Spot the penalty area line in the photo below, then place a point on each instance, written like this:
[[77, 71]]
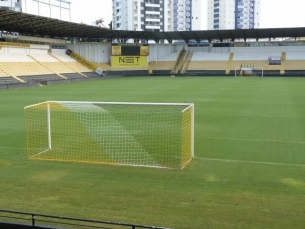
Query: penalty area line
[[252, 162], [12, 148], [255, 140], [9, 132], [37, 154]]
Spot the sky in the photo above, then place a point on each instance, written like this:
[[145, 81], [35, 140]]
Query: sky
[[274, 13]]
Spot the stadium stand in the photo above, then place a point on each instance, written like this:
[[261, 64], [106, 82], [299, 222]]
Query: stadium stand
[[34, 63], [186, 62], [48, 66], [41, 78], [295, 65], [229, 64], [205, 56], [221, 61], [7, 80], [208, 65], [76, 73], [208, 58], [77, 67], [39, 64], [179, 62], [161, 68]]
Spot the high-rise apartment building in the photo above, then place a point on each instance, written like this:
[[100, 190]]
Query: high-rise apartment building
[[11, 5], [156, 15], [196, 15], [233, 14]]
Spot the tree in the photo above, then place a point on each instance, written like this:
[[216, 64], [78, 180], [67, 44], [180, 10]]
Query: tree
[[99, 22], [110, 25]]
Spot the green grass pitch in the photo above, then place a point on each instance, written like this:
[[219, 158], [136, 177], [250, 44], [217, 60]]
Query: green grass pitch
[[248, 171]]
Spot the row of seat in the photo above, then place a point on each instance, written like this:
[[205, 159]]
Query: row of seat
[[38, 66], [240, 53], [222, 65], [23, 64], [34, 68]]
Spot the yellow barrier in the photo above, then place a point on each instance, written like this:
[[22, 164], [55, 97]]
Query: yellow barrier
[[18, 45], [83, 61]]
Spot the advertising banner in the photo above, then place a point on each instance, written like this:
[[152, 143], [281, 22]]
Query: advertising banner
[[116, 50], [129, 61]]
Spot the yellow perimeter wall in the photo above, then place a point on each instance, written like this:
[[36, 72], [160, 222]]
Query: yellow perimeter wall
[[129, 61], [18, 45]]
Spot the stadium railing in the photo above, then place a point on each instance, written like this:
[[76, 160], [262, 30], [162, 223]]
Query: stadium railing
[[33, 219]]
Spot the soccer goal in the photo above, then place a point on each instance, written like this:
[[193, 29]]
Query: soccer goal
[[138, 134], [249, 71]]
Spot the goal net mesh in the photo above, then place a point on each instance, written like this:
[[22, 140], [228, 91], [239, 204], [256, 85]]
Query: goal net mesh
[[123, 134]]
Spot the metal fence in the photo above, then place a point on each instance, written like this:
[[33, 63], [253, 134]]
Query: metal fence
[[35, 220]]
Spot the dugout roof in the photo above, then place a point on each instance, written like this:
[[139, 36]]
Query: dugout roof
[[33, 25]]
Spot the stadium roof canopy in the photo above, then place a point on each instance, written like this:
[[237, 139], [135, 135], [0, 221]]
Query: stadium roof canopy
[[33, 25]]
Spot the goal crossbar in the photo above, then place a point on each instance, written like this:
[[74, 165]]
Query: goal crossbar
[[115, 103]]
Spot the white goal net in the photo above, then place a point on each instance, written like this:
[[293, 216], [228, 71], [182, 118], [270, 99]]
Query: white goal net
[[138, 134]]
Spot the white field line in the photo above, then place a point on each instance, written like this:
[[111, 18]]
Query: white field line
[[40, 153], [253, 162], [255, 140], [210, 159], [11, 148], [34, 105], [243, 115], [9, 132]]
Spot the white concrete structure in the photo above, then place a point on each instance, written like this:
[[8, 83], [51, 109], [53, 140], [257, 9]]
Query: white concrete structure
[[95, 52], [156, 15], [170, 52], [233, 14], [11, 5], [61, 54]]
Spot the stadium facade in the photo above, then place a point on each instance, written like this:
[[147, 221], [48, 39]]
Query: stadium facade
[[15, 5], [233, 14], [156, 15]]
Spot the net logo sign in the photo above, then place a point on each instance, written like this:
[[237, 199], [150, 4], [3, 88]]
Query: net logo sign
[[129, 61]]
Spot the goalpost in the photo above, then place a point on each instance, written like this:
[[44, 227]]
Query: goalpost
[[138, 134], [249, 71]]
